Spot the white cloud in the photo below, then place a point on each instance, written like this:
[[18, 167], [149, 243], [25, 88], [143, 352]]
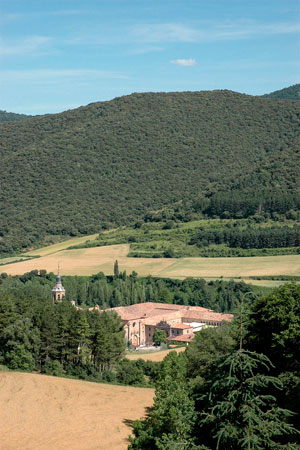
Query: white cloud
[[210, 31], [29, 45], [56, 76], [184, 62], [165, 32], [152, 36], [8, 17], [144, 50]]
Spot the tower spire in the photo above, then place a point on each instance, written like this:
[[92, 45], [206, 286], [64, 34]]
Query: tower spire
[[58, 291]]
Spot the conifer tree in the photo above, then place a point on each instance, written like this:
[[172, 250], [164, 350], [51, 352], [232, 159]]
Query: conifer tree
[[238, 411], [116, 269]]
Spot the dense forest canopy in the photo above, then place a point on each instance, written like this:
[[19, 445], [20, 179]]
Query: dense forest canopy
[[109, 163], [289, 93], [123, 290], [9, 116]]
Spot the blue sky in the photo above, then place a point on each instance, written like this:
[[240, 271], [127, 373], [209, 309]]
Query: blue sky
[[61, 54]]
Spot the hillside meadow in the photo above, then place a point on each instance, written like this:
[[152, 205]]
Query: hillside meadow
[[38, 412], [89, 261]]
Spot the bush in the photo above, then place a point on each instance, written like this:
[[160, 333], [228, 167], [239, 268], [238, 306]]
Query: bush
[[169, 253], [53, 367], [109, 376], [129, 373]]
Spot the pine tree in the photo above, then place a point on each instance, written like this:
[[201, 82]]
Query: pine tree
[[116, 269], [238, 411]]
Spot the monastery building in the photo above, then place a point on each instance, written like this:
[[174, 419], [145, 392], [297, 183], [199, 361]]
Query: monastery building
[[180, 322]]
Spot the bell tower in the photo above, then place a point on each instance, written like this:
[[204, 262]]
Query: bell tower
[[58, 291]]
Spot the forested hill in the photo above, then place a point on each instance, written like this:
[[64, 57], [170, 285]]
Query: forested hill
[[289, 93], [108, 163], [9, 116]]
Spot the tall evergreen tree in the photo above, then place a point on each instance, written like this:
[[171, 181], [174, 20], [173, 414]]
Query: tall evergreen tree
[[237, 412]]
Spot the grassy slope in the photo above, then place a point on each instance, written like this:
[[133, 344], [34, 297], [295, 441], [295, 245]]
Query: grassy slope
[[39, 412], [111, 161], [61, 245], [154, 240]]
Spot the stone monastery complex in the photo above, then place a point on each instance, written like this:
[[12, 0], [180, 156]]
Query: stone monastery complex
[[180, 322]]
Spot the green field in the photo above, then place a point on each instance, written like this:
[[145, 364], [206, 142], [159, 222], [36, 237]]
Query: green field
[[61, 245], [12, 259], [171, 239]]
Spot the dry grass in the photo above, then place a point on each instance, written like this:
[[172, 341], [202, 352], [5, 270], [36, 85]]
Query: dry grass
[[234, 267], [89, 261], [153, 355], [46, 413]]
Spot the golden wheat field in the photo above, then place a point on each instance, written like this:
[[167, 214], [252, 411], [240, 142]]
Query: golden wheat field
[[152, 355], [39, 412], [88, 261]]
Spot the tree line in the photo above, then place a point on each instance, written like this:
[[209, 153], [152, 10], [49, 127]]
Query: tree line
[[250, 237], [121, 289], [37, 335]]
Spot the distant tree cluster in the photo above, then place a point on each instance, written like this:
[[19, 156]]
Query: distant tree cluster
[[9, 116], [239, 204], [250, 237], [289, 93], [124, 290], [36, 334]]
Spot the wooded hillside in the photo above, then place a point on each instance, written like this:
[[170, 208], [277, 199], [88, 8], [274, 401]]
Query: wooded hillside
[[108, 163], [9, 116], [289, 93]]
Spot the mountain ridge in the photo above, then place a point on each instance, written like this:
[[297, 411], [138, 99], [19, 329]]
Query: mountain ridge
[[107, 163], [289, 93]]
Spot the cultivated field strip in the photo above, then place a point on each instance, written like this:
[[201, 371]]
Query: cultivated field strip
[[89, 261]]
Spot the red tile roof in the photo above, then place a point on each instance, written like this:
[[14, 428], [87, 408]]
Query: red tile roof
[[206, 316], [182, 338], [180, 326], [152, 313]]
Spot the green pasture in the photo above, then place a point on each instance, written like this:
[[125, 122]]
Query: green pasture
[[43, 251], [170, 239]]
